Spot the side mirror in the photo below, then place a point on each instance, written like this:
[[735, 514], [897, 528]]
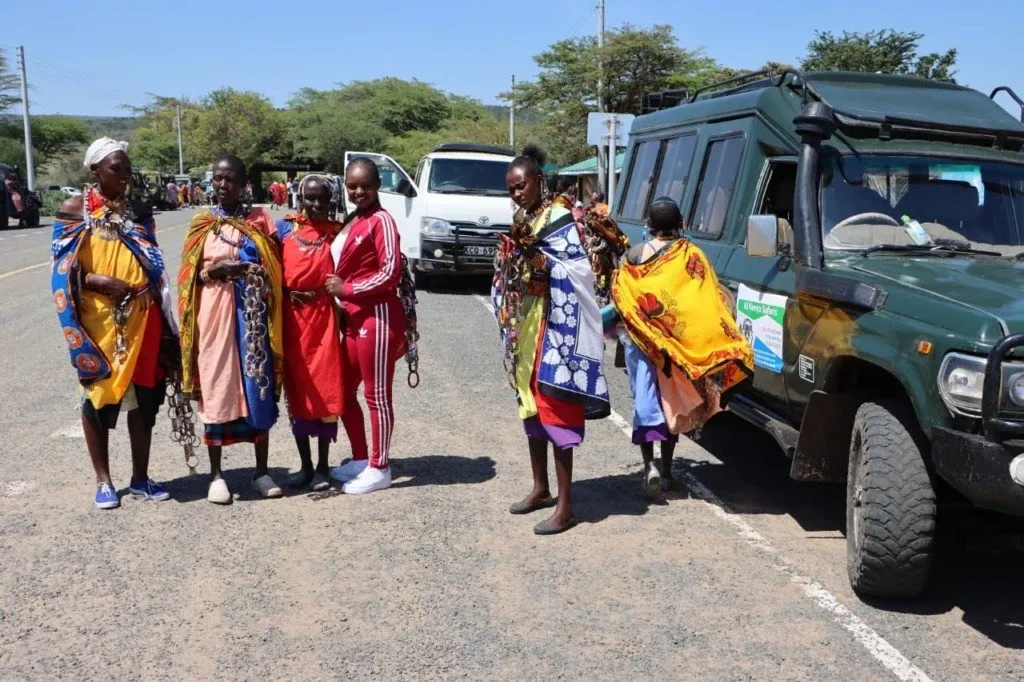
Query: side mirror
[[762, 236], [405, 187]]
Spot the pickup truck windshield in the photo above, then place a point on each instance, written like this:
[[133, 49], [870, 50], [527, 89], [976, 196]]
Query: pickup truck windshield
[[871, 201], [468, 176]]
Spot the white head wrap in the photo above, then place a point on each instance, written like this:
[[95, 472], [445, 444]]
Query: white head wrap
[[101, 149]]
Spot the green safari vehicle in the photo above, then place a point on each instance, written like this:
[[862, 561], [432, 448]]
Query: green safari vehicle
[[871, 229]]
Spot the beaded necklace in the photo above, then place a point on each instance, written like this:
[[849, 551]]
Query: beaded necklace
[[108, 218], [239, 212]]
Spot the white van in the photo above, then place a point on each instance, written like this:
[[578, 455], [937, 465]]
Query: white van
[[450, 215]]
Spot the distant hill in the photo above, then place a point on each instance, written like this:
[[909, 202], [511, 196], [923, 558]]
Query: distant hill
[[118, 127], [522, 115]]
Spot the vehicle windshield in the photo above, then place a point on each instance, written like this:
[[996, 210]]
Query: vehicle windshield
[[875, 201], [468, 176]]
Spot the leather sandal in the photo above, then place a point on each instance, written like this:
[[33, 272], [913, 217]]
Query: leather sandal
[[530, 507], [548, 528]]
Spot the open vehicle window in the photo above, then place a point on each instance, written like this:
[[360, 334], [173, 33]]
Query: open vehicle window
[[641, 177], [675, 167], [390, 174], [867, 202], [468, 176], [717, 180]]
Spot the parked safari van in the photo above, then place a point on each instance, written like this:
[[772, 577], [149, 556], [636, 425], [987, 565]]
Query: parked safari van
[[449, 216], [871, 229]]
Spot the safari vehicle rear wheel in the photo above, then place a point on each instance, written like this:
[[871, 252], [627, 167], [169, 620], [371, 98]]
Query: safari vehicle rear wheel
[[890, 505]]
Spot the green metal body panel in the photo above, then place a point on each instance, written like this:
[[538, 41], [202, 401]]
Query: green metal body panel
[[963, 304]]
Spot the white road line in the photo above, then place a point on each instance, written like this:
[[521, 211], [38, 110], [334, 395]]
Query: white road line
[[876, 645], [73, 430], [16, 488], [19, 236]]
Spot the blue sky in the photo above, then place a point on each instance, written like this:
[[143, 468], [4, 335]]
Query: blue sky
[[91, 58]]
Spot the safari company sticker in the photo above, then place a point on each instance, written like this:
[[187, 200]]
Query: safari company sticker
[[760, 317]]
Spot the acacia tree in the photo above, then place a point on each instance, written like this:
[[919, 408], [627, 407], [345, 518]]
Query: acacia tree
[[633, 62], [884, 51], [9, 85]]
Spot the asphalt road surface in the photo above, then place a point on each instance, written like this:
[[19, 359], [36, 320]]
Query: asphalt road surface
[[740, 575]]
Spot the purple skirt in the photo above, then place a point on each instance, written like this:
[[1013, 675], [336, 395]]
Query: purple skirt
[[309, 428], [653, 434], [560, 436]]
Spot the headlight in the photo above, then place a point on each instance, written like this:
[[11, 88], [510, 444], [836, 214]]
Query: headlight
[[1015, 389], [435, 227], [961, 380]]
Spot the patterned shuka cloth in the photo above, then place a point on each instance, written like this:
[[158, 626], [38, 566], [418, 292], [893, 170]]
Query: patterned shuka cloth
[[559, 377], [70, 235], [256, 245], [674, 311]]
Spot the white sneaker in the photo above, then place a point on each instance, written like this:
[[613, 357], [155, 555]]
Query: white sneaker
[[266, 487], [218, 492], [349, 470], [370, 480]]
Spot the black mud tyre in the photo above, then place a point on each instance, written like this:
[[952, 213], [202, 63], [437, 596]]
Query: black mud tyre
[[31, 216], [424, 281], [890, 504]]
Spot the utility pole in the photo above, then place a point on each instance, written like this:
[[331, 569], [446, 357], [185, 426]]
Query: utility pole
[[600, 96], [613, 150], [30, 170], [512, 116], [600, 63], [181, 156]]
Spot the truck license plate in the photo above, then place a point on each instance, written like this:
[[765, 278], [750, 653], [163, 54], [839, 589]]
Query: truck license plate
[[479, 250]]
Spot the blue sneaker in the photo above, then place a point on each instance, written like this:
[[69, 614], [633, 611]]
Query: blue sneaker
[[106, 497], [149, 490]]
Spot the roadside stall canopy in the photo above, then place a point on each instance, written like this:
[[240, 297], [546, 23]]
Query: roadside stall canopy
[[589, 167]]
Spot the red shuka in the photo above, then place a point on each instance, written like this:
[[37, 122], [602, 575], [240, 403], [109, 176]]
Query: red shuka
[[312, 346]]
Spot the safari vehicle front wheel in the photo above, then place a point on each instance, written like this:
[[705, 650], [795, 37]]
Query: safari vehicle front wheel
[[890, 505]]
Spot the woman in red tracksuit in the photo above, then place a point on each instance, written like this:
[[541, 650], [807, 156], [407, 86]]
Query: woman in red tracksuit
[[368, 268]]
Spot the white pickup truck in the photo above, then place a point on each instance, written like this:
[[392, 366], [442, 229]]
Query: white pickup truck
[[449, 216]]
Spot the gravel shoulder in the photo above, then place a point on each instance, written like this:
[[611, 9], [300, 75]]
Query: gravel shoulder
[[433, 578]]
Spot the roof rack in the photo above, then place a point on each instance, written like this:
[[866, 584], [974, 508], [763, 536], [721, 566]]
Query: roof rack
[[475, 148], [1013, 95], [665, 99], [751, 79]]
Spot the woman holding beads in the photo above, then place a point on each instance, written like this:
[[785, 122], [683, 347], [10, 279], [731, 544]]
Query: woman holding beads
[[551, 327], [229, 304], [113, 303], [312, 345]]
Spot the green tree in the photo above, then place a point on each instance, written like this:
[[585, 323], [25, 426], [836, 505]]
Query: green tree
[[12, 151], [56, 136], [633, 62], [402, 118], [155, 143], [884, 51], [9, 85], [232, 122]]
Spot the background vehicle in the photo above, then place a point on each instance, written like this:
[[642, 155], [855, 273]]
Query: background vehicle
[[450, 215], [140, 195], [70, 191], [871, 229], [28, 216]]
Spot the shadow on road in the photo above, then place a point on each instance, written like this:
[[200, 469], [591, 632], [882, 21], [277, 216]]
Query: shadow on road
[[979, 566], [441, 470], [459, 285], [596, 499], [192, 488], [754, 478]]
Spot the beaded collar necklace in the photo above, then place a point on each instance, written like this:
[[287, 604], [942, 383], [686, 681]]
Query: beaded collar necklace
[[108, 218]]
